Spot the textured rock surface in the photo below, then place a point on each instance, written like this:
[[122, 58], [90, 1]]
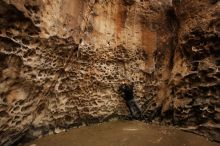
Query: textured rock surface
[[62, 63], [195, 83]]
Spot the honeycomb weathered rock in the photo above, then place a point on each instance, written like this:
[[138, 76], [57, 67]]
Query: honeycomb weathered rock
[[62, 62]]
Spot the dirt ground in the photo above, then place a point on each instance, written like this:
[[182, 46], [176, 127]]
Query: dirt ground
[[123, 133]]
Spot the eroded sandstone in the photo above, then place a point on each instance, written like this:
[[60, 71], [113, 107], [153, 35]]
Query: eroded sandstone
[[62, 63]]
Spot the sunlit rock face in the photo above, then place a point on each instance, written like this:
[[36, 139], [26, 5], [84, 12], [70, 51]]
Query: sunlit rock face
[[62, 62]]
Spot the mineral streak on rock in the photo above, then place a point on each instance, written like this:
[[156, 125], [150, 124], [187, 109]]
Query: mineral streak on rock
[[62, 62]]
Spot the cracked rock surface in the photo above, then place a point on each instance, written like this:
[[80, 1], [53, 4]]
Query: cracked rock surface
[[62, 62]]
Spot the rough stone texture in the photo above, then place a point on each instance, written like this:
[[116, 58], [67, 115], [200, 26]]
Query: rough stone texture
[[195, 83], [62, 63]]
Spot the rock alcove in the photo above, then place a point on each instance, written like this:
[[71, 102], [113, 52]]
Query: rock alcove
[[62, 63]]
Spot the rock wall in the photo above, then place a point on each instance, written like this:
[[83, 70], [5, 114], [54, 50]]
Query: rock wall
[[62, 63], [195, 75]]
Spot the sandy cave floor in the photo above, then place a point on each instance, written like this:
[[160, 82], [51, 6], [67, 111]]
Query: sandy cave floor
[[123, 133]]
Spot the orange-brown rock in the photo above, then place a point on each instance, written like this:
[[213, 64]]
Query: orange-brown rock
[[62, 62]]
